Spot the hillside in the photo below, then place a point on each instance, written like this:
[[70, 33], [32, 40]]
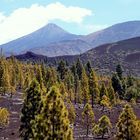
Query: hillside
[[52, 40], [126, 52], [104, 57]]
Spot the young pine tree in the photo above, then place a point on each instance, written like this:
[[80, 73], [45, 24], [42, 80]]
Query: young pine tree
[[31, 107], [52, 123], [103, 91], [103, 127], [85, 87], [111, 94], [4, 117], [88, 117], [72, 113], [105, 102], [126, 126], [94, 88]]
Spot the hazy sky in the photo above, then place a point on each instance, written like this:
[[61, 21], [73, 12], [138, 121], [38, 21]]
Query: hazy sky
[[20, 17]]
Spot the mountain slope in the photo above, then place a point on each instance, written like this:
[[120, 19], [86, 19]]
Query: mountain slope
[[67, 47], [114, 33]]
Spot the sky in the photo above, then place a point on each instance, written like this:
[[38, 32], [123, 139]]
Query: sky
[[21, 17]]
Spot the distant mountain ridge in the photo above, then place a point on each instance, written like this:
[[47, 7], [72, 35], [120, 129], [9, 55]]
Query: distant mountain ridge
[[117, 32], [51, 40]]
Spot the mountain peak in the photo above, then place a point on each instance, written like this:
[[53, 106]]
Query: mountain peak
[[52, 25]]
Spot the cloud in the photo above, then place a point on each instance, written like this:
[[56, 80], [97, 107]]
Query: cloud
[[26, 20]]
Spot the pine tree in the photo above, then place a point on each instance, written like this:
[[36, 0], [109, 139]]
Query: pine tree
[[88, 68], [85, 87], [69, 80], [124, 86], [1, 75], [117, 85], [78, 90], [105, 102], [13, 80], [72, 114], [73, 69], [31, 107], [43, 71], [71, 95], [126, 125], [50, 78], [94, 88], [53, 123], [39, 77], [4, 117], [16, 71], [63, 90], [21, 78], [119, 71], [77, 83], [79, 68], [88, 117], [27, 81], [103, 127], [103, 91], [62, 69], [111, 94], [5, 81]]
